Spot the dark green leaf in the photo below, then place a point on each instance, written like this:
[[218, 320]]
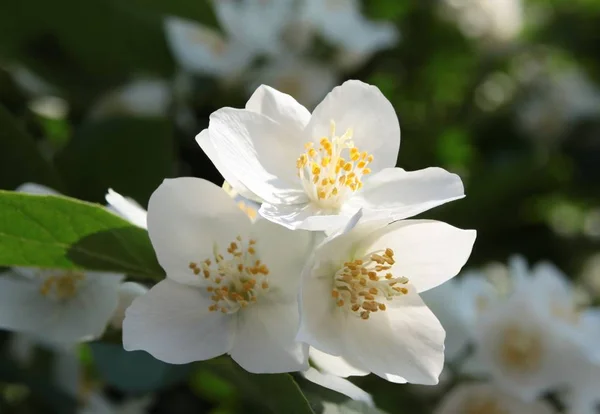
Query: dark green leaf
[[278, 392], [134, 372], [131, 155], [61, 232], [20, 160]]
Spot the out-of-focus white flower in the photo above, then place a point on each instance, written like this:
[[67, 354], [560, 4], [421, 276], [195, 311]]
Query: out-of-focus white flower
[[56, 305], [496, 21], [483, 398], [360, 296], [199, 49], [127, 208], [350, 407], [458, 303], [560, 100], [144, 97], [583, 395], [231, 284], [128, 291], [308, 82], [342, 23], [31, 82], [97, 403], [313, 179]]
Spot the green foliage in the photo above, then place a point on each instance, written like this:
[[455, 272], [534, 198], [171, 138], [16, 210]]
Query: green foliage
[[64, 233]]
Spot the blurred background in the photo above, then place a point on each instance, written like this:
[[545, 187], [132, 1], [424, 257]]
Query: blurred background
[[110, 94]]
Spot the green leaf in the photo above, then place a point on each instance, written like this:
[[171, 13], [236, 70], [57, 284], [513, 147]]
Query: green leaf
[[131, 155], [279, 393], [134, 372], [65, 233], [20, 160]]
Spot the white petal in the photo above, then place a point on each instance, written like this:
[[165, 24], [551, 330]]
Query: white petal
[[400, 194], [209, 149], [338, 384], [128, 291], [266, 339], [172, 323], [406, 340], [187, 217], [33, 188], [322, 323], [278, 106], [426, 252], [334, 365], [303, 217], [127, 208], [260, 152], [284, 252], [80, 318], [590, 327], [365, 110]]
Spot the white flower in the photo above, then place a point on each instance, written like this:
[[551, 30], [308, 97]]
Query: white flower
[[314, 172], [231, 284], [360, 296], [199, 49], [471, 295], [342, 23], [56, 305], [308, 82], [127, 208], [483, 398], [350, 407], [583, 395], [144, 97], [128, 291]]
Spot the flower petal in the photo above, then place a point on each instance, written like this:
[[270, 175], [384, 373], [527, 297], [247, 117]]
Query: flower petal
[[365, 110], [172, 323], [260, 152], [33, 188], [128, 291], [322, 323], [334, 365], [278, 106], [82, 317], [209, 149], [127, 208], [341, 385], [187, 217], [284, 252], [400, 194], [303, 217], [405, 340], [426, 252], [265, 339]]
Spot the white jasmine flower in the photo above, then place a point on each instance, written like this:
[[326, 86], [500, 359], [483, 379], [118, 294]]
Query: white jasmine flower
[[520, 346], [308, 82], [583, 395], [334, 365], [143, 97], [127, 208], [199, 49], [249, 207], [350, 407], [360, 296], [342, 23], [230, 288], [128, 291], [56, 305], [330, 164], [483, 398], [471, 295]]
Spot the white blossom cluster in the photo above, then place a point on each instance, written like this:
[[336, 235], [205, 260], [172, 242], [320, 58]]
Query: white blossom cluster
[[309, 252], [520, 335]]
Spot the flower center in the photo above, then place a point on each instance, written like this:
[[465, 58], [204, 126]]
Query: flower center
[[327, 176], [362, 284], [485, 406], [235, 279], [61, 286], [521, 350]]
